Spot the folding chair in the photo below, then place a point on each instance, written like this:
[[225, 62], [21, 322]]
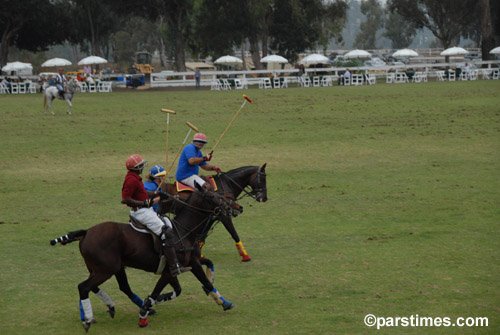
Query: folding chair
[[226, 85], [92, 87], [473, 74], [326, 81], [215, 86], [389, 78], [4, 89], [238, 85], [371, 79], [276, 83], [316, 81], [14, 88]]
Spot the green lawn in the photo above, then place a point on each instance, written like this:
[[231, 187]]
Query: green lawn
[[383, 200]]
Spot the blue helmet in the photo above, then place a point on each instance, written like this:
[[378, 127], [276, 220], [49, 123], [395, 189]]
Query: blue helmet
[[157, 171]]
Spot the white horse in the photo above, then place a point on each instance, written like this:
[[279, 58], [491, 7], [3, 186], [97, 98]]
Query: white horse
[[52, 92]]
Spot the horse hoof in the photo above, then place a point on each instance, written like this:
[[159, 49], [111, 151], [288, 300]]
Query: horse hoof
[[111, 312], [227, 305], [86, 324], [69, 113], [246, 258], [143, 322], [152, 311]]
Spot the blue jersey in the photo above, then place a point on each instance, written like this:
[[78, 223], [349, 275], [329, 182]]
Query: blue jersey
[[184, 169], [151, 186]]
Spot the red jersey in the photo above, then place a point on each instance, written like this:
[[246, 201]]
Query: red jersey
[[133, 188]]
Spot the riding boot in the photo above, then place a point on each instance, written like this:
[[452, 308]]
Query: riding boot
[[168, 240]]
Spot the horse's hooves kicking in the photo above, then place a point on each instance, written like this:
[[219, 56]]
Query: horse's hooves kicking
[[111, 312]]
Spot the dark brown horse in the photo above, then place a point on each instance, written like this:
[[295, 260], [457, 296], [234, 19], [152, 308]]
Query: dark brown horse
[[231, 184], [109, 247]]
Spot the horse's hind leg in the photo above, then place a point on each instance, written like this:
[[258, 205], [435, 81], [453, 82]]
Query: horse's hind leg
[[69, 106], [50, 106], [92, 283], [152, 299], [121, 278], [106, 299]]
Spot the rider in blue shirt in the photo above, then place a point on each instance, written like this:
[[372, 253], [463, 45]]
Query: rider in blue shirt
[[190, 161], [156, 173]]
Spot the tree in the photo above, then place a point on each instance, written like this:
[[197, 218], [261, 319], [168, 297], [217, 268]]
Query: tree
[[487, 29], [446, 19], [375, 17], [31, 25], [399, 31]]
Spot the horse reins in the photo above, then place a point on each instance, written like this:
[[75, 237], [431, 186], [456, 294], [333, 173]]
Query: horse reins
[[253, 193]]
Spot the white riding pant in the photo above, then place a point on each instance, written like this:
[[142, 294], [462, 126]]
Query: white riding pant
[[191, 180], [149, 218]]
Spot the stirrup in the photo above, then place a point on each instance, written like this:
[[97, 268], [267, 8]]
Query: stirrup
[[177, 269]]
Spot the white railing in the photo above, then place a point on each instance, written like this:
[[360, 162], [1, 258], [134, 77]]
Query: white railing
[[186, 79]]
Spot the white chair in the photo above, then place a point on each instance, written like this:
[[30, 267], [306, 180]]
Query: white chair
[[215, 86], [440, 76], [14, 88], [276, 83], [473, 74], [22, 88], [92, 87], [238, 84], [32, 87], [265, 83], [4, 89], [316, 81], [83, 87], [356, 79], [451, 75], [401, 78], [496, 74], [326, 81], [305, 82], [389, 78], [464, 76], [423, 75], [371, 79], [105, 87], [417, 77], [226, 85], [486, 74], [284, 84]]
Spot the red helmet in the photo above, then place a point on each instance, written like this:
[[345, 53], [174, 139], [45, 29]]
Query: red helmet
[[135, 162], [61, 69], [200, 137]]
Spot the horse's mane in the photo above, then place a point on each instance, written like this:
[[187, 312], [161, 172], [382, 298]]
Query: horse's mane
[[239, 170]]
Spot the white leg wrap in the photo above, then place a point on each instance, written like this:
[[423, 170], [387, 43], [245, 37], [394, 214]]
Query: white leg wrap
[[105, 298], [87, 309], [217, 297], [166, 221]]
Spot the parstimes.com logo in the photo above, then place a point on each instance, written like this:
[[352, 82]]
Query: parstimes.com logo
[[423, 321]]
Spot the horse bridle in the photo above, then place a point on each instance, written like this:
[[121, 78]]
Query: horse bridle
[[254, 193]]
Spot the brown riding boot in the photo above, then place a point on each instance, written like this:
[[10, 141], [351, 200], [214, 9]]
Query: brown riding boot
[[171, 255]]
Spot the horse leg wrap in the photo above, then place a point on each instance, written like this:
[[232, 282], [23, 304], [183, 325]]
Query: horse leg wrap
[[146, 307], [210, 273], [216, 296], [242, 252], [201, 244], [166, 297], [136, 300], [105, 298], [86, 313]]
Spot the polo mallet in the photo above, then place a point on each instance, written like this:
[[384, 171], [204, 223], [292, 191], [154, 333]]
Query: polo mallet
[[168, 111], [230, 123], [191, 126]]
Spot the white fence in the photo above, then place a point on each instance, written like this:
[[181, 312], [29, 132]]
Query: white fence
[[186, 79]]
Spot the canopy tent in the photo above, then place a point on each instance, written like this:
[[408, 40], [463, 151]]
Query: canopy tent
[[353, 54], [274, 59], [454, 51], [314, 59], [228, 60], [90, 60], [405, 53]]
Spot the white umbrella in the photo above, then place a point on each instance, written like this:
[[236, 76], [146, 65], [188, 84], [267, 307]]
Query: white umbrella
[[495, 51], [357, 54], [454, 51], [56, 62], [405, 53], [92, 60], [228, 60], [17, 66], [274, 59], [314, 59]]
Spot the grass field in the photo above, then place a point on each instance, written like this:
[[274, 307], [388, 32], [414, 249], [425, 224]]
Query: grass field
[[383, 200]]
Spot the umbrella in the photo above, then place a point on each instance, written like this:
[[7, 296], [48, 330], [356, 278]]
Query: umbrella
[[357, 54], [274, 59], [17, 66], [495, 51], [56, 62], [455, 51], [314, 59], [228, 60], [405, 53], [92, 60]]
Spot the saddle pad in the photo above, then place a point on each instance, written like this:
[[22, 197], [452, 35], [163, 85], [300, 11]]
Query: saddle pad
[[182, 187]]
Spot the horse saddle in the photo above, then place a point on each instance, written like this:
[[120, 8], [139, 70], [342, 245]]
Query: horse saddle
[[180, 187]]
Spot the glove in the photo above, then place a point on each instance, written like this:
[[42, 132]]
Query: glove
[[148, 202], [163, 195], [217, 169], [208, 157]]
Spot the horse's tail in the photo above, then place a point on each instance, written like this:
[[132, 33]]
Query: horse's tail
[[70, 237]]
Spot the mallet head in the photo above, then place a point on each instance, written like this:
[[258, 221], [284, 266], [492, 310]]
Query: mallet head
[[164, 110], [192, 126], [248, 99]]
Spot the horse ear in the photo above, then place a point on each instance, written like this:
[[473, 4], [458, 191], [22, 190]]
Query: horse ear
[[263, 168]]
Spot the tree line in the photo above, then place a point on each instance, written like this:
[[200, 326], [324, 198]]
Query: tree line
[[201, 28]]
